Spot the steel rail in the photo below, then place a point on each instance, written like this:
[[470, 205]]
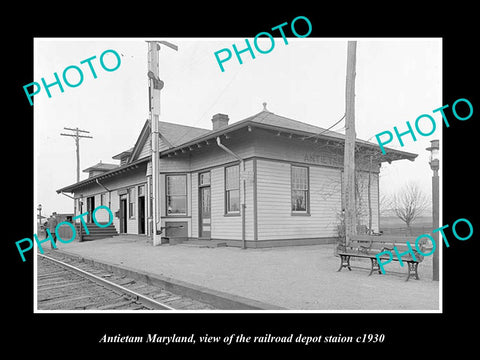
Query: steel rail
[[112, 286]]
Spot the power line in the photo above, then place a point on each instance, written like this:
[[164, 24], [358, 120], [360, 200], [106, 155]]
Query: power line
[[325, 130], [77, 137], [222, 92]]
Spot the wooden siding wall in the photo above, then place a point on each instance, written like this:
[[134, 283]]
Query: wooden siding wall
[[194, 206], [275, 219], [175, 164], [276, 154], [124, 160], [208, 156], [214, 159], [223, 227], [147, 148], [281, 147], [227, 227], [131, 178], [273, 156], [250, 199]]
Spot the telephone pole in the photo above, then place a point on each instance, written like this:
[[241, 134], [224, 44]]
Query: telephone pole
[[77, 137], [155, 85], [350, 135]]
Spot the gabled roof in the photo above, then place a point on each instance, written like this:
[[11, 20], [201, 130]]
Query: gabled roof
[[171, 134], [122, 154], [280, 124], [270, 119], [177, 134], [177, 137], [101, 167]]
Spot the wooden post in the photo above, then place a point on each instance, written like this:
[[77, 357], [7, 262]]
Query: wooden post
[[370, 196], [154, 87], [77, 137], [436, 223], [77, 144], [350, 135], [435, 166]]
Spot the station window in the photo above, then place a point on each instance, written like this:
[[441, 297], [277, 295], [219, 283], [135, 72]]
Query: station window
[[150, 191], [300, 190], [103, 199], [176, 194], [204, 179], [131, 203], [232, 189]]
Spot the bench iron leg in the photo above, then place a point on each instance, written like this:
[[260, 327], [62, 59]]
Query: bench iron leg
[[412, 270], [375, 266], [344, 262]]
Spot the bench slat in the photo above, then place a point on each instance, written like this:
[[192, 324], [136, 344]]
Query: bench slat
[[368, 246]]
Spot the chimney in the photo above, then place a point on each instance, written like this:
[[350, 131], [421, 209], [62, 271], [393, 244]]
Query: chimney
[[219, 121]]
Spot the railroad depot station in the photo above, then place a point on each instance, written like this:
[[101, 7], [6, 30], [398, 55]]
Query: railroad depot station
[[263, 181]]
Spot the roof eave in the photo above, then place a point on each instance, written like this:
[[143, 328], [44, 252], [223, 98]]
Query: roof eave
[[72, 187], [394, 155], [208, 136], [391, 154], [122, 154]]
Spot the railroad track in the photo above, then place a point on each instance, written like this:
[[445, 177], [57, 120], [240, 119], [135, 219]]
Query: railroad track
[[80, 286]]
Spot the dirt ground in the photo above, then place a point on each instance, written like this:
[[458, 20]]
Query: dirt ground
[[295, 277]]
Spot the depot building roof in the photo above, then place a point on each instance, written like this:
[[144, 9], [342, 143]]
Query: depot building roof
[[180, 138]]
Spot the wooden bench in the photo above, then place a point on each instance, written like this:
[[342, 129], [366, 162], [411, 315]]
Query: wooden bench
[[368, 246]]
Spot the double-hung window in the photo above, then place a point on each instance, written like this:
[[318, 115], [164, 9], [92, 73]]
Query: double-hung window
[[232, 189], [103, 198], [131, 203], [176, 194], [300, 190]]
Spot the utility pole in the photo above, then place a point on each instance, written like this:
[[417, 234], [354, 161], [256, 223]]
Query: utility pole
[[435, 166], [155, 85], [77, 137], [350, 135], [369, 194]]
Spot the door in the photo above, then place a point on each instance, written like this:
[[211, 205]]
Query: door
[[141, 214], [204, 216], [90, 208], [205, 211], [123, 214]]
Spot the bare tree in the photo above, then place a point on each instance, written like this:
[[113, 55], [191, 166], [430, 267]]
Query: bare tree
[[385, 204], [409, 203]]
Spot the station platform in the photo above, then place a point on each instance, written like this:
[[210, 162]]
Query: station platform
[[276, 279]]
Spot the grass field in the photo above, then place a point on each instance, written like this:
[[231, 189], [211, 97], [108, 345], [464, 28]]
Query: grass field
[[394, 226]]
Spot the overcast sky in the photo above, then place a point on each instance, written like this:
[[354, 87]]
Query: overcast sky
[[397, 80]]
